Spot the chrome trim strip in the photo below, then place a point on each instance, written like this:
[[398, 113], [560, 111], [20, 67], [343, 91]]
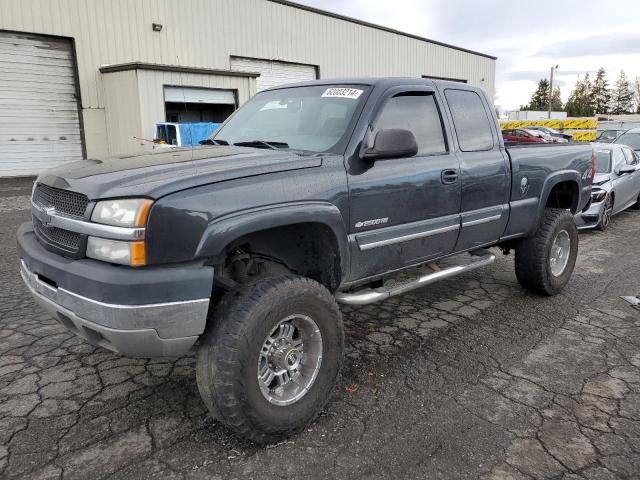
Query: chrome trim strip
[[124, 307], [34, 278], [406, 238], [169, 320], [367, 296], [50, 218], [480, 221]]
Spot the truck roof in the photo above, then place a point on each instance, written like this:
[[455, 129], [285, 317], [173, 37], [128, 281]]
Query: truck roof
[[384, 82]]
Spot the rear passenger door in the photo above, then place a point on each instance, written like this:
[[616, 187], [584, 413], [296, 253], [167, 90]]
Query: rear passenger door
[[484, 169]]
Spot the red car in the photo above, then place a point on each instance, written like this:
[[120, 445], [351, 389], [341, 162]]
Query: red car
[[520, 135]]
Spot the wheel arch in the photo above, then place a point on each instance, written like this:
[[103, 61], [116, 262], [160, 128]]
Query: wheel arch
[[309, 237], [561, 190]]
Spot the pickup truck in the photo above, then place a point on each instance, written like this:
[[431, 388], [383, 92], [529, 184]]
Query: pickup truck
[[308, 196]]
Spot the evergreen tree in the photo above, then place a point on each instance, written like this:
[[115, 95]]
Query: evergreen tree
[[636, 93], [622, 95], [540, 98], [600, 92], [580, 102], [588, 103], [556, 101]]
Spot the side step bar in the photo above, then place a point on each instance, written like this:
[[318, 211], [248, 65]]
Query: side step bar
[[367, 296]]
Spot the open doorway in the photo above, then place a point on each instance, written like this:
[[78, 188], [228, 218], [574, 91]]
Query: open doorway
[[197, 112], [192, 104]]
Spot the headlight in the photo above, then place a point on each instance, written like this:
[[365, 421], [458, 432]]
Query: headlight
[[114, 251], [124, 212], [598, 195]]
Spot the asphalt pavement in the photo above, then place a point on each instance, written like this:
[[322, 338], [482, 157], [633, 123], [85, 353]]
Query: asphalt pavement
[[469, 378]]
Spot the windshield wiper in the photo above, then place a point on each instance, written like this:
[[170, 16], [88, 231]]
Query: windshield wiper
[[262, 144], [211, 141]]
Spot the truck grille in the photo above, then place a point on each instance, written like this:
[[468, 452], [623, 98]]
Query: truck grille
[[64, 240], [65, 202]]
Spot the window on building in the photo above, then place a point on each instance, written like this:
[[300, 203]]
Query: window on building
[[418, 113], [470, 119]]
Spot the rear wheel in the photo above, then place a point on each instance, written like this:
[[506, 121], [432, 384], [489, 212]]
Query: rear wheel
[[544, 262], [270, 358], [605, 216]]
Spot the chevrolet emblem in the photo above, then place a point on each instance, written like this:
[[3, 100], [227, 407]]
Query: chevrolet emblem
[[45, 216]]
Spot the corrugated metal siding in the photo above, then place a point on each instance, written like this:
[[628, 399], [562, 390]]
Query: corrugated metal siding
[[39, 121], [122, 113], [206, 33], [274, 73]]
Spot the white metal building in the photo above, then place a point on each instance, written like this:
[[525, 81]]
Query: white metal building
[[91, 78]]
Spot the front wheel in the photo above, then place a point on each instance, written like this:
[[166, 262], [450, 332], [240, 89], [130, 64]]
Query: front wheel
[[544, 262], [605, 215], [271, 356]]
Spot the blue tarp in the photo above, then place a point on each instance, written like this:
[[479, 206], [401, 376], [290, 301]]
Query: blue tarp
[[192, 133]]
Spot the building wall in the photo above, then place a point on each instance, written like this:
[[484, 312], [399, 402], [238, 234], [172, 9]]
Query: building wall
[[134, 103], [205, 33], [122, 112]]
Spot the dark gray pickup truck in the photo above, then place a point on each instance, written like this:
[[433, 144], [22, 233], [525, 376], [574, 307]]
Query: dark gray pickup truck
[[308, 196]]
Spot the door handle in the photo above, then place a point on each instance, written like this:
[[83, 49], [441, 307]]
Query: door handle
[[449, 176]]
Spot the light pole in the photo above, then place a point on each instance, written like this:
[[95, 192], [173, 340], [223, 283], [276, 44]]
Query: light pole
[[553, 69]]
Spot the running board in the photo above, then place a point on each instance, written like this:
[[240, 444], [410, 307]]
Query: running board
[[367, 296]]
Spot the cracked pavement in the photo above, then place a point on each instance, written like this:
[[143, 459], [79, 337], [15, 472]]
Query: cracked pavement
[[469, 378]]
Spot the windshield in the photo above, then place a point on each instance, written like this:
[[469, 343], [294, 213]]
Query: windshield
[[314, 119], [630, 140], [603, 161]]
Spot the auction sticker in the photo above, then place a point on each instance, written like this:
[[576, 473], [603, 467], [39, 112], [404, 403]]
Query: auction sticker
[[342, 92]]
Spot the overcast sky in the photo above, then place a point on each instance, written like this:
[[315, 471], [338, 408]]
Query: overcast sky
[[527, 37]]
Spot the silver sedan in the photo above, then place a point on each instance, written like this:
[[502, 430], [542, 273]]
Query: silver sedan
[[616, 185]]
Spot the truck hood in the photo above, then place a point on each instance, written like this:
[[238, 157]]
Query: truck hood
[[160, 173]]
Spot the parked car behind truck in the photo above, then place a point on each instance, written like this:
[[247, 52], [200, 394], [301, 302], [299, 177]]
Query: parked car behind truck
[[310, 195], [616, 185], [521, 135], [558, 137]]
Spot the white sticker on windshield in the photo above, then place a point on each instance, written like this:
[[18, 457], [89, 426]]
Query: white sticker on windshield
[[342, 92]]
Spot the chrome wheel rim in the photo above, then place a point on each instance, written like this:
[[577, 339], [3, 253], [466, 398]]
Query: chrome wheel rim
[[560, 250], [290, 360]]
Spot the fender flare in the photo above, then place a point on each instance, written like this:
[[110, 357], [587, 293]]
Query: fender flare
[[554, 179], [224, 230]]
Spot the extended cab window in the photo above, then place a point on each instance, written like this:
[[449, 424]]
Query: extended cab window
[[417, 112], [472, 124]]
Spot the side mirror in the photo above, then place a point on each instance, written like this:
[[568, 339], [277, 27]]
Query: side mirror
[[392, 143], [626, 169]]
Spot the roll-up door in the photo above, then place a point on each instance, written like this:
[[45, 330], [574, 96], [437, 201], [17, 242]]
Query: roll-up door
[[274, 73], [39, 118]]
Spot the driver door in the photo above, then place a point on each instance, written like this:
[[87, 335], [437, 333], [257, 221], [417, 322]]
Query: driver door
[[404, 210]]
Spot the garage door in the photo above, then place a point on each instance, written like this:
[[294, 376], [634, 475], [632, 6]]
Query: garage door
[[199, 95], [273, 73], [39, 120]]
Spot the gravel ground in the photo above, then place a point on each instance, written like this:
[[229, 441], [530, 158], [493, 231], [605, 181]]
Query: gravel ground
[[469, 378]]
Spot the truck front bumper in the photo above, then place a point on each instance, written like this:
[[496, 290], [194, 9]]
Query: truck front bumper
[[142, 312]]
